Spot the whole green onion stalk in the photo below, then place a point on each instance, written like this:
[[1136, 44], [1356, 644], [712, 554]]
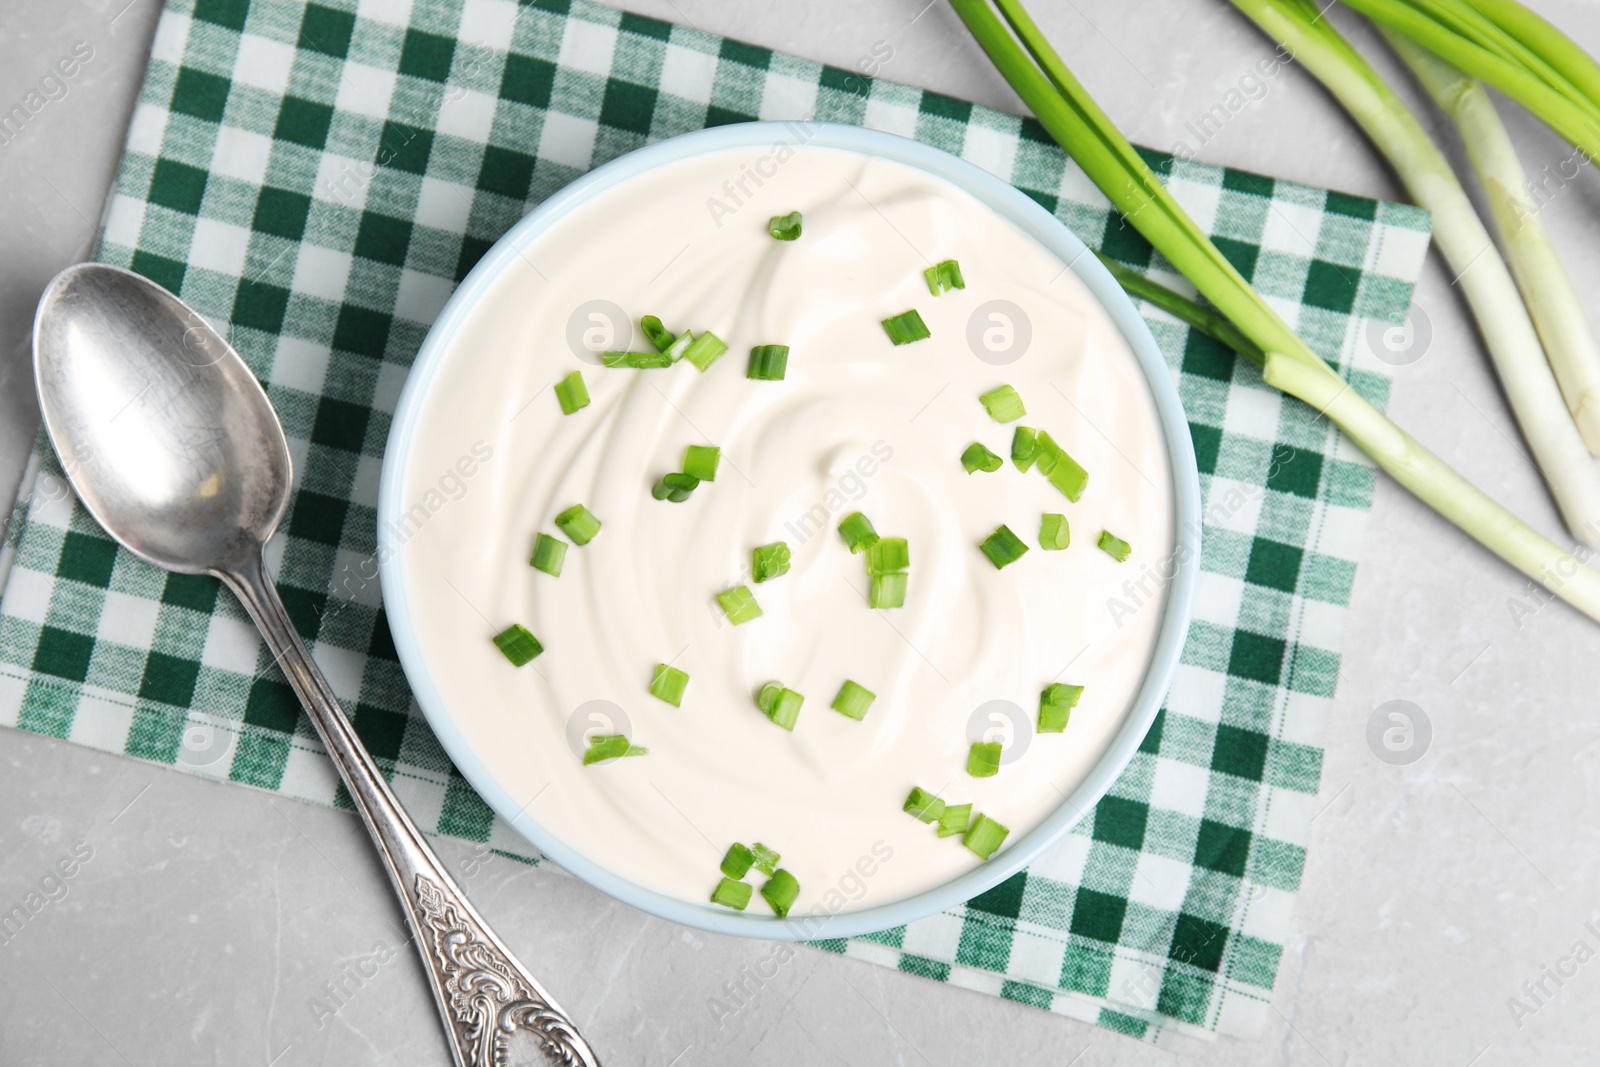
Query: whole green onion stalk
[[1038, 75], [1558, 314], [1481, 273]]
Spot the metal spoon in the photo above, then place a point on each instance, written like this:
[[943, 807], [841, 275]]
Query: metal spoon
[[174, 448]]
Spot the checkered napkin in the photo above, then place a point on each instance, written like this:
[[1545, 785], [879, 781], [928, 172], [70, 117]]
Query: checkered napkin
[[315, 178]]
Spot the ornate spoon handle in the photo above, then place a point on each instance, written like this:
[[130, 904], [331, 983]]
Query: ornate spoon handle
[[484, 995]]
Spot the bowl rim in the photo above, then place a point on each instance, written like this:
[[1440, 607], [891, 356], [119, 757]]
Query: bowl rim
[[1010, 203]]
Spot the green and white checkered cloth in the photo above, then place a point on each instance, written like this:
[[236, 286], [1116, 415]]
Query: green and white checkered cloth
[[316, 177]]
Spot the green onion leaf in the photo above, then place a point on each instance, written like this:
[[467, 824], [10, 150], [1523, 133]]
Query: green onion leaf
[[548, 554], [857, 531], [1054, 535], [853, 700], [738, 860], [572, 393], [656, 333], [578, 523], [668, 684], [604, 747], [705, 350], [1114, 546], [674, 487], [978, 458], [953, 820], [1024, 447], [1061, 469], [784, 227], [1003, 547], [888, 555], [700, 461], [984, 836], [767, 363], [637, 360], [887, 591], [766, 858], [906, 327], [518, 644], [780, 704], [677, 348], [740, 604], [983, 759], [1055, 706], [781, 891], [943, 277], [1003, 404], [732, 894], [769, 561], [924, 805]]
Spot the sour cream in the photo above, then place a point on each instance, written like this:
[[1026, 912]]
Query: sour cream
[[857, 424]]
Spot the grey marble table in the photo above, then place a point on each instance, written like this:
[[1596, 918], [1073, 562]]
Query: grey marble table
[[210, 921]]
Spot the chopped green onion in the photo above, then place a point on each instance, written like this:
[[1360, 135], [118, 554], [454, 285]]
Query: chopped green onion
[[637, 360], [1054, 534], [943, 277], [548, 554], [978, 458], [767, 698], [766, 858], [769, 561], [784, 227], [781, 705], [736, 863], [1024, 447], [1061, 469], [983, 759], [604, 747], [656, 333], [888, 555], [572, 393], [732, 894], [668, 684], [953, 820], [906, 327], [1055, 706], [853, 700], [857, 531], [518, 644], [1003, 404], [700, 461], [1114, 546], [924, 805], [677, 348], [984, 836], [1003, 547], [781, 891], [887, 591], [705, 350], [767, 363], [740, 604], [578, 523], [674, 487]]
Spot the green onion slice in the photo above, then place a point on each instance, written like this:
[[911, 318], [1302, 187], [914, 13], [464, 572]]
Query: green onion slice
[[780, 704], [983, 759], [675, 351], [1061, 469], [700, 461], [656, 333], [953, 820], [887, 591], [984, 836], [732, 894], [906, 327], [769, 561], [766, 858], [1114, 546], [740, 604], [1003, 404], [888, 555], [674, 487], [768, 363], [853, 700], [578, 523], [924, 805], [784, 227], [978, 458], [705, 350], [518, 644], [857, 531], [737, 861], [1024, 447], [548, 554], [943, 277], [668, 683], [1003, 547], [1054, 534], [781, 891], [604, 747], [572, 393], [637, 360], [1055, 706]]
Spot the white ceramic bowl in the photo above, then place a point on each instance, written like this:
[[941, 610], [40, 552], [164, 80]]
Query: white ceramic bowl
[[1006, 202]]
